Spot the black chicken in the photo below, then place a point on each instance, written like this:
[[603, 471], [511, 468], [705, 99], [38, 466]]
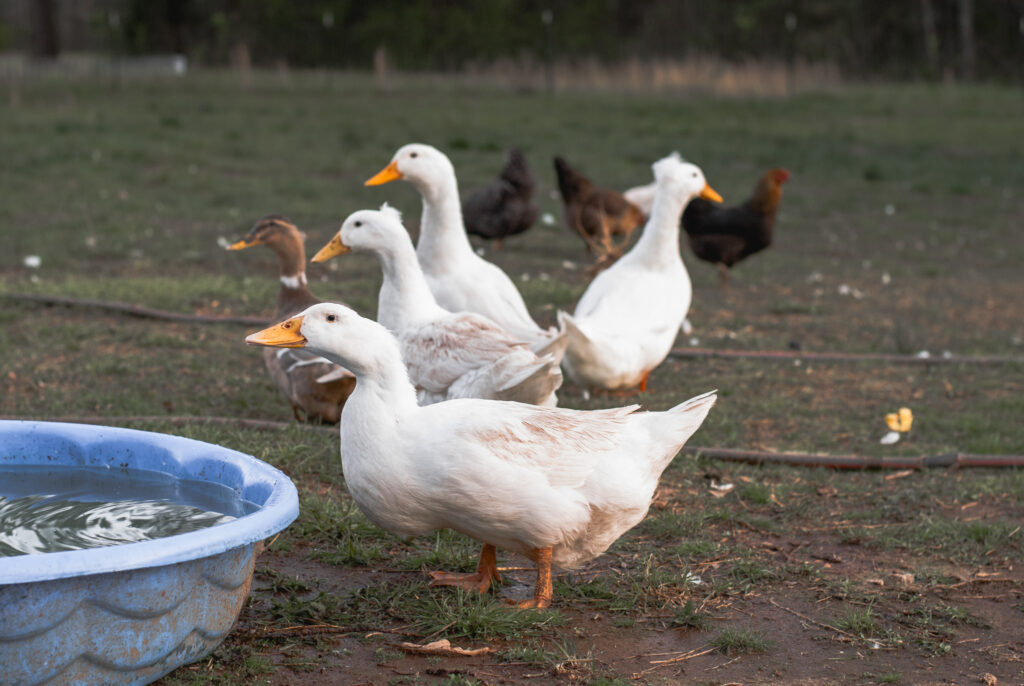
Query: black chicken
[[506, 206], [726, 235]]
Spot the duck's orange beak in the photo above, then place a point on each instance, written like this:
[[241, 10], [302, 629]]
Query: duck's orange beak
[[709, 193], [334, 248], [243, 244], [287, 334], [385, 175]]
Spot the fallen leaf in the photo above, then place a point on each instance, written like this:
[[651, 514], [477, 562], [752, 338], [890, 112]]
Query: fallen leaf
[[443, 647], [989, 679], [905, 578], [900, 474]]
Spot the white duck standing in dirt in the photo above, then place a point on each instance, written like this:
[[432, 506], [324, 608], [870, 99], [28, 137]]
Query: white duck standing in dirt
[[460, 280], [556, 485], [626, 321], [448, 355]]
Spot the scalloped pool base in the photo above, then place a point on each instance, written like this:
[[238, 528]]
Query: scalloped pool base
[[127, 627]]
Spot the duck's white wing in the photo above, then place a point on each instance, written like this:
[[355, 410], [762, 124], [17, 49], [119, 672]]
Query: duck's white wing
[[500, 300], [438, 354], [561, 444], [295, 359]]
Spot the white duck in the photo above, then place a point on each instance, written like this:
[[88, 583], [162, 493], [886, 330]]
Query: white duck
[[556, 485], [463, 355], [460, 280], [642, 196], [626, 321]]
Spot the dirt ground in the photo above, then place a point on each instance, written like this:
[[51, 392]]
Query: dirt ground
[[899, 233]]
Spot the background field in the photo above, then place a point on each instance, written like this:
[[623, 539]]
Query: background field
[[911, 197]]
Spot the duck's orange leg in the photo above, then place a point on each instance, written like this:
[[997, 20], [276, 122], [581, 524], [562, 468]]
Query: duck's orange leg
[[480, 580], [643, 381], [545, 591]]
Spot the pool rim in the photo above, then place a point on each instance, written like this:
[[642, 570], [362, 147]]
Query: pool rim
[[279, 509]]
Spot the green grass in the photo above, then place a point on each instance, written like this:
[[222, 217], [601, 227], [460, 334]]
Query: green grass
[[124, 193], [690, 616], [860, 621], [741, 642], [956, 539]]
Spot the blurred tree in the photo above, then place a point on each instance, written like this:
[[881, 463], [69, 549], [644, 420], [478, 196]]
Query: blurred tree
[[968, 58], [864, 37], [46, 41]]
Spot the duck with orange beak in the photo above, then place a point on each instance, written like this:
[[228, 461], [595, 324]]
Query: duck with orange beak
[[449, 355], [556, 485], [627, 320], [315, 387], [460, 280]]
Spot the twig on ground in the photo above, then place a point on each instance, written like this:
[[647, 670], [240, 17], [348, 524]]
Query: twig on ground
[[136, 310], [813, 621], [841, 357], [750, 456]]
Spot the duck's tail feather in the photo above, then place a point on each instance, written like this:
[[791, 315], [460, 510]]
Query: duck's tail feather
[[533, 384], [676, 425], [554, 345], [581, 348]]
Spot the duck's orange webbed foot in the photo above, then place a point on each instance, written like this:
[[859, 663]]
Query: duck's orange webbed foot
[[532, 603], [480, 580], [544, 591], [623, 392]]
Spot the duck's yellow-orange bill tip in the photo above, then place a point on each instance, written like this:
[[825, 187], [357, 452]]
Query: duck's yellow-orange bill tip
[[334, 248], [385, 175], [900, 421], [241, 245], [709, 193], [287, 334]]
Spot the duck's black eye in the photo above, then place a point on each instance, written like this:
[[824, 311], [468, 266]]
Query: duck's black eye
[[694, 174], [358, 223], [414, 154], [332, 318]]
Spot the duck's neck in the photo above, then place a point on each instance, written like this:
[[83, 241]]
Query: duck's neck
[[291, 259], [383, 396], [443, 241], [405, 298], [659, 243]]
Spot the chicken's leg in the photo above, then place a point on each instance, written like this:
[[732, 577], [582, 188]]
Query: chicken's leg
[[723, 274]]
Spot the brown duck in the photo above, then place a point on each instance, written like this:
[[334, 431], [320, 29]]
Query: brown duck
[[317, 389]]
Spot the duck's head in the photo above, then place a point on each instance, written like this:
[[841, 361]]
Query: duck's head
[[337, 333], [376, 231], [285, 239], [424, 166], [274, 231], [682, 179]]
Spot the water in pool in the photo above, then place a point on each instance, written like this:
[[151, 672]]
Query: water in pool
[[46, 510]]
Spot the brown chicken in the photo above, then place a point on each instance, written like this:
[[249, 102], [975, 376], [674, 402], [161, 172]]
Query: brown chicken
[[598, 215], [315, 387], [726, 235]]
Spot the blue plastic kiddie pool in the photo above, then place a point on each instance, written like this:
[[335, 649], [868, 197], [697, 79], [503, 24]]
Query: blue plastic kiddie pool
[[130, 613]]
